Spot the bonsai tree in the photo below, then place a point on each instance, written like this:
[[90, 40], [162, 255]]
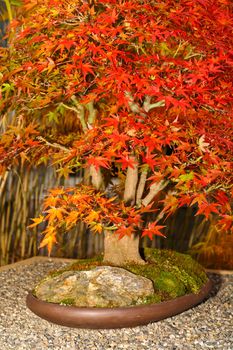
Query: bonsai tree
[[134, 94]]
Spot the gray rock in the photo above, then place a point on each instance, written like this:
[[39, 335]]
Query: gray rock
[[103, 286]]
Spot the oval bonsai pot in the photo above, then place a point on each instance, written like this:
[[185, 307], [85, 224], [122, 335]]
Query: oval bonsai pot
[[102, 318]]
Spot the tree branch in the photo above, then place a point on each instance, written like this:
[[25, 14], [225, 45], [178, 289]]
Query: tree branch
[[131, 182], [146, 102], [92, 112], [80, 112], [134, 107], [96, 177], [54, 145], [141, 186], [154, 190], [147, 106]]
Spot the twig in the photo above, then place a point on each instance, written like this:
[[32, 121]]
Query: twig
[[54, 145]]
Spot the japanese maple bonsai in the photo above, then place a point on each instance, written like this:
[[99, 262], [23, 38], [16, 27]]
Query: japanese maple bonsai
[[136, 94]]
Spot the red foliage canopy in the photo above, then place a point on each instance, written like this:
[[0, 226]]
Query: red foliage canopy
[[140, 84]]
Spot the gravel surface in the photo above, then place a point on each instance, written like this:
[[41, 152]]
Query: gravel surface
[[207, 326]]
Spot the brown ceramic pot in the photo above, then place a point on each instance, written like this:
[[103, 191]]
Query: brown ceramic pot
[[101, 318]]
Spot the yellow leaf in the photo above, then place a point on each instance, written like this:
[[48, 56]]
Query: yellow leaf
[[36, 221], [49, 238], [97, 228], [24, 157], [48, 241], [50, 202], [72, 218], [93, 216], [55, 213]]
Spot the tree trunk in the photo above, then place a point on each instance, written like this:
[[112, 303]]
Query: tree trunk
[[120, 252], [126, 250]]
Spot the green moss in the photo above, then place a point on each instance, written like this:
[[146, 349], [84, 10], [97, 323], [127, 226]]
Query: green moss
[[165, 283], [151, 299], [173, 274], [168, 283], [34, 292], [150, 271], [67, 301], [79, 265], [186, 270]]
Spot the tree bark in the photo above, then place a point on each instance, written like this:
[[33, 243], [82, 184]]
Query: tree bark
[[96, 177], [131, 183], [120, 252], [117, 251]]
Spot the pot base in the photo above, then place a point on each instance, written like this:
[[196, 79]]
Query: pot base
[[103, 318]]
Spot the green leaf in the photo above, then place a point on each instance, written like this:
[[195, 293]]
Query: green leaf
[[60, 109], [16, 2], [187, 177], [52, 117], [6, 87]]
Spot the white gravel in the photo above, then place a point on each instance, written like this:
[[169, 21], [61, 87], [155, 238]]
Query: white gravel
[[207, 326]]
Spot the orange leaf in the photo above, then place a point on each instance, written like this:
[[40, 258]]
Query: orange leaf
[[36, 221], [50, 202], [57, 191], [124, 231], [72, 218], [49, 238], [55, 213], [97, 228], [206, 209], [93, 216], [153, 230]]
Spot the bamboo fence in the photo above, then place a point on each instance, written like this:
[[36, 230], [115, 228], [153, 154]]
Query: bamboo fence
[[21, 196]]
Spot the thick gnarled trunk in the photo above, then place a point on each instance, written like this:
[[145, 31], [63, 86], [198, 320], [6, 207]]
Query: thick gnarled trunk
[[119, 252], [125, 250]]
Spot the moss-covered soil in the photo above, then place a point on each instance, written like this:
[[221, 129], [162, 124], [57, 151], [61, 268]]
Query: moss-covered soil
[[173, 274]]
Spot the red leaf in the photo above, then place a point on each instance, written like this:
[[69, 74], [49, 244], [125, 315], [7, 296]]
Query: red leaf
[[126, 162], [124, 231], [153, 230], [206, 209], [98, 162]]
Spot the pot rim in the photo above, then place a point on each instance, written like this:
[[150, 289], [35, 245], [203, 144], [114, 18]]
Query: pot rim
[[120, 317]]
